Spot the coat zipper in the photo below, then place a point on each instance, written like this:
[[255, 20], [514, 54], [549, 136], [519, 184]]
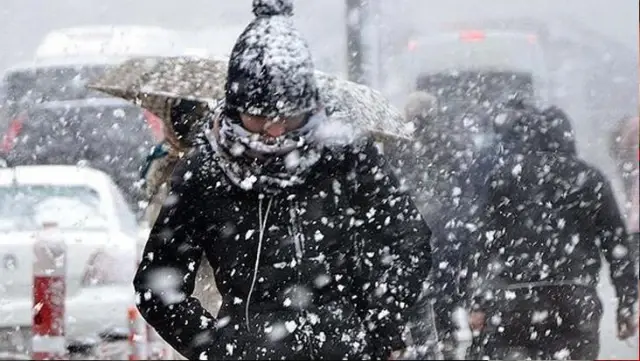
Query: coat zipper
[[262, 227], [298, 238], [306, 328]]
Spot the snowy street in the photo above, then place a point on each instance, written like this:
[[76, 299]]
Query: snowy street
[[349, 171]]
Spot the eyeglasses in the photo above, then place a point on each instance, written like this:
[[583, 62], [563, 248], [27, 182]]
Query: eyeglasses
[[271, 126]]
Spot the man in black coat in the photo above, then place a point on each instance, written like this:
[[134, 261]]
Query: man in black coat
[[535, 266], [316, 250]]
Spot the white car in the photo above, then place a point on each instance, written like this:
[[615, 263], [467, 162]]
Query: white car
[[217, 41], [110, 41], [101, 234]]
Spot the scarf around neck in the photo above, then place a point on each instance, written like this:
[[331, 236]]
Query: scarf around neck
[[252, 162]]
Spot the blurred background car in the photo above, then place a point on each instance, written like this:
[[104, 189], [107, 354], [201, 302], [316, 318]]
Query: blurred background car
[[108, 133], [89, 212], [66, 58], [478, 66], [50, 117]]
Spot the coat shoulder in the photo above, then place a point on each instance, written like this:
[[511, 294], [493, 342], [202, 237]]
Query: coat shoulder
[[197, 171]]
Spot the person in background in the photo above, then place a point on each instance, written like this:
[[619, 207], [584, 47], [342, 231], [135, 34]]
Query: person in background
[[547, 219], [623, 146]]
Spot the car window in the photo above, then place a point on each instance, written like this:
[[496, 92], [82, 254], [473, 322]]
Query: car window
[[27, 207], [480, 86], [498, 53], [15, 90], [66, 83], [57, 83], [85, 126], [113, 138], [17, 85], [20, 89]]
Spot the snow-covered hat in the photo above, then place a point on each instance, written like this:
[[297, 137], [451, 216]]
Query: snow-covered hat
[[271, 72]]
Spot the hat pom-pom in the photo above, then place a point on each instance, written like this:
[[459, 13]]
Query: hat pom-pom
[[273, 7]]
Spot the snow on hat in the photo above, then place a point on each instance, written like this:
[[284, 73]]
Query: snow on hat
[[271, 72]]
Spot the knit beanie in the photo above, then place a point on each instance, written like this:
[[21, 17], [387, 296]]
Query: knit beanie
[[271, 71]]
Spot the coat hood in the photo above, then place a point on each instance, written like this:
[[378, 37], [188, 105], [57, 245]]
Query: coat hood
[[524, 129]]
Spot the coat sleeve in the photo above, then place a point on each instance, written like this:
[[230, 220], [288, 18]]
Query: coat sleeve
[[484, 234], [616, 247], [483, 239], [165, 278], [394, 257]]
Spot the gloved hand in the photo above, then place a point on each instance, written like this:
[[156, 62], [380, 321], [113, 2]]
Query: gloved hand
[[627, 323]]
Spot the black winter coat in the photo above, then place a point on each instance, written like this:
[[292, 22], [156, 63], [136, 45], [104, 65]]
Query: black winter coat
[[324, 271], [548, 217]]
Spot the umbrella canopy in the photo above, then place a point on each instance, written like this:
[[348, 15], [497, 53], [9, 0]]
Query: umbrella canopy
[[159, 83]]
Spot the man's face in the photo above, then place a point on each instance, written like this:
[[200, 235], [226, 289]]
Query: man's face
[[271, 127]]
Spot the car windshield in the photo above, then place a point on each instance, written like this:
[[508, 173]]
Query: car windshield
[[28, 207], [496, 52], [58, 83], [451, 59]]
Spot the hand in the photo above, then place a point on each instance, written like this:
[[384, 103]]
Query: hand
[[627, 326], [477, 320], [408, 353], [396, 355]]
